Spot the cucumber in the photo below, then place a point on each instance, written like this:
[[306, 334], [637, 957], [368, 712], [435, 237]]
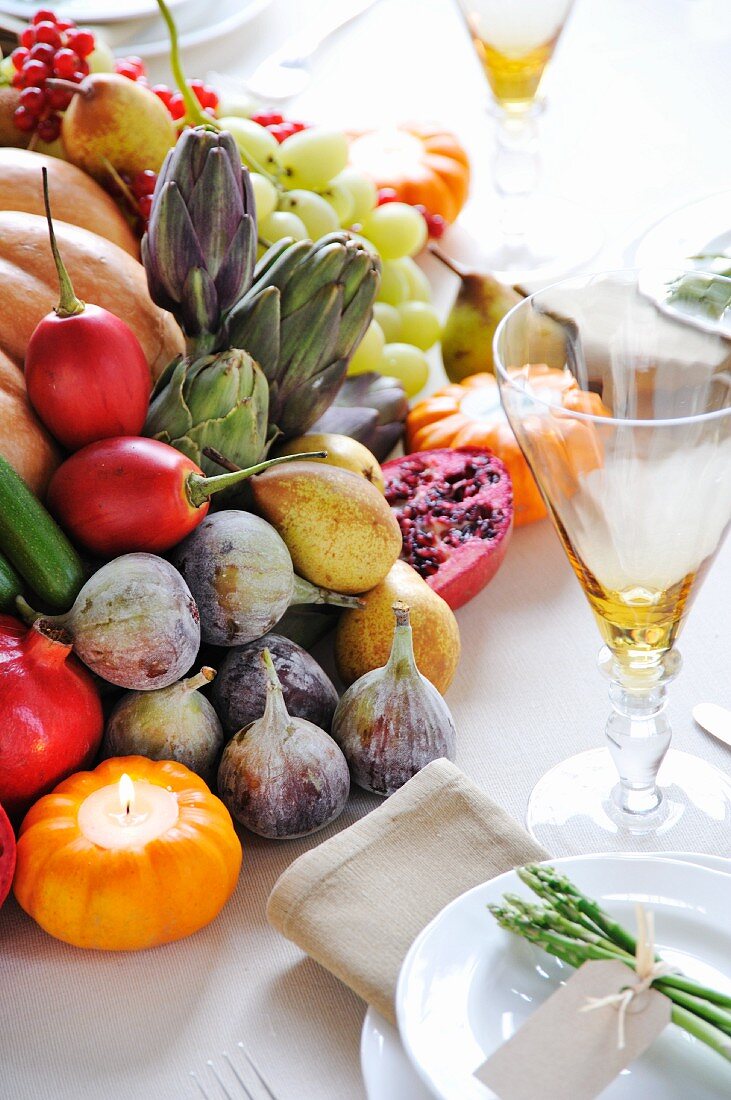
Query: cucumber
[[10, 585], [35, 544]]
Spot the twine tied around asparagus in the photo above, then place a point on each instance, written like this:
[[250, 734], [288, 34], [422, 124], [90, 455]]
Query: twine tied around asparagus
[[647, 968]]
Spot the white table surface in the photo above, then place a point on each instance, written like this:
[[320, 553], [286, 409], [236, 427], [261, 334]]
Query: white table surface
[[637, 124]]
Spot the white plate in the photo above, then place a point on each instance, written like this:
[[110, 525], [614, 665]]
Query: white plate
[[387, 1071], [90, 11], [702, 226], [466, 985], [197, 23]]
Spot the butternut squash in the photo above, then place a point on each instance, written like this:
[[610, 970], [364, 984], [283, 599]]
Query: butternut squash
[[24, 442]]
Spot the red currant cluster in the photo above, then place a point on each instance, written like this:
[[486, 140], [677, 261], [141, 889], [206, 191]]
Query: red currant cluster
[[48, 47], [277, 125], [134, 192], [134, 69], [435, 224]]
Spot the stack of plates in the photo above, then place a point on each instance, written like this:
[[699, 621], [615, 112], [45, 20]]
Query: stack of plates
[[135, 26], [466, 985]]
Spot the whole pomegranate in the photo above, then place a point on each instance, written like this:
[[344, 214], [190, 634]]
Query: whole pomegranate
[[455, 511], [51, 719]]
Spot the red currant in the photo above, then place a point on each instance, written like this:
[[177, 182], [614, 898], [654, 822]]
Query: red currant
[[64, 63], [23, 119], [81, 41], [144, 183], [435, 224], [42, 52], [35, 72], [65, 24], [44, 16], [145, 206], [137, 64], [281, 131], [298, 127], [163, 92], [268, 118], [123, 68], [33, 99], [19, 56], [82, 67], [49, 128], [204, 93], [46, 32], [18, 80], [387, 194], [28, 37], [176, 106], [59, 98]]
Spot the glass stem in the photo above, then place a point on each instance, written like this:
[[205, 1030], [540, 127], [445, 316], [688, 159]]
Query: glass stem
[[516, 170], [638, 730]]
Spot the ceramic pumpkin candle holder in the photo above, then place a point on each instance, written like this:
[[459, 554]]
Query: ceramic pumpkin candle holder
[[134, 854]]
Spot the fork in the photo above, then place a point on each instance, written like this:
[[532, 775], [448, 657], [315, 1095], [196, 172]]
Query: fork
[[231, 1076]]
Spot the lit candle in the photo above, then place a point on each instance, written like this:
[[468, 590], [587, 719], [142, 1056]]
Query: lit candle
[[125, 815]]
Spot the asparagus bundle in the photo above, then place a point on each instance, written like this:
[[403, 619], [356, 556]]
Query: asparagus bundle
[[575, 929]]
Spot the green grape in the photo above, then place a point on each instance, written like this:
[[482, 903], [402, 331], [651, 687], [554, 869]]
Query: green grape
[[259, 149], [236, 104], [394, 288], [282, 224], [396, 230], [362, 191], [312, 157], [7, 69], [419, 324], [419, 288], [389, 319], [317, 215], [341, 199], [265, 195], [408, 364], [101, 59], [369, 351]]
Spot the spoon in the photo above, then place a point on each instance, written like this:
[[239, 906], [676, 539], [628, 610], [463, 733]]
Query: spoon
[[715, 720]]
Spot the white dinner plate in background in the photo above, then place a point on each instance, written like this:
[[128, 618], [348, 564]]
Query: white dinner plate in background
[[701, 226], [93, 11]]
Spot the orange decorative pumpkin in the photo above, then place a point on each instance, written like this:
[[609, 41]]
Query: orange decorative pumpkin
[[127, 898], [469, 414], [423, 164]]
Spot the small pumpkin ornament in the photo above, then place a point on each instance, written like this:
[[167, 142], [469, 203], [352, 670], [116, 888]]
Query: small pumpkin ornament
[[470, 414], [94, 877], [424, 165]]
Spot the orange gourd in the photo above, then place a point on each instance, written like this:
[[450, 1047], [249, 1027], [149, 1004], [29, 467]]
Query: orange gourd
[[129, 898], [423, 164], [469, 414]]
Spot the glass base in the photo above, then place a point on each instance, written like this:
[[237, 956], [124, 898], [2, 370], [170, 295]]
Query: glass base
[[560, 236], [574, 810]]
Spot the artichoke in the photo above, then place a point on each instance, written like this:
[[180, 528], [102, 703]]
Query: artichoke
[[302, 319], [219, 401], [369, 408], [201, 241]]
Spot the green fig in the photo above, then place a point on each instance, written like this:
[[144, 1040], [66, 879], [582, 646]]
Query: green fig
[[480, 306]]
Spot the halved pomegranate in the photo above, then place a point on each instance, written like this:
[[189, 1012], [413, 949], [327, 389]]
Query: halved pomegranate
[[455, 511], [7, 855]]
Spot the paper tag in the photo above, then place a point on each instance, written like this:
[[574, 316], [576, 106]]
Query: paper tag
[[563, 1052]]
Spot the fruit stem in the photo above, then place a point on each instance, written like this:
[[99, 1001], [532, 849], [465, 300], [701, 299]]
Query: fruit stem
[[26, 612], [304, 592], [194, 113], [221, 460], [401, 661], [200, 680], [57, 83], [443, 258], [199, 489], [126, 192], [68, 304], [276, 716]]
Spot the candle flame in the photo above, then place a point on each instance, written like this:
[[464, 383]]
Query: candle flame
[[126, 793]]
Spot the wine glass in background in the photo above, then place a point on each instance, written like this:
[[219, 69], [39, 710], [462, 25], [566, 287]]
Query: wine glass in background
[[538, 236], [635, 469]]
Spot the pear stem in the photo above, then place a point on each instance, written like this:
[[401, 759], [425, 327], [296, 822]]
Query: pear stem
[[194, 113], [68, 304], [199, 489], [443, 258], [200, 680], [307, 593]]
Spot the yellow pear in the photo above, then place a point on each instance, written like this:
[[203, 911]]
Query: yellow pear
[[342, 451]]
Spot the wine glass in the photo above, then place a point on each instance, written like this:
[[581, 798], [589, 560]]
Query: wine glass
[[537, 236], [634, 464]]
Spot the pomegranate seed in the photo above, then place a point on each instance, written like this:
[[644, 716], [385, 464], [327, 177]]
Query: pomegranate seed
[[46, 32], [33, 99], [35, 72], [58, 98], [144, 183], [81, 41], [42, 52], [176, 106], [28, 37], [123, 68], [145, 206], [49, 128], [23, 119], [64, 63], [268, 118], [387, 194], [19, 57], [44, 16]]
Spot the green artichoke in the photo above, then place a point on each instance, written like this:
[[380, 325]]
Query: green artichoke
[[302, 319], [370, 408], [200, 244], [219, 401]]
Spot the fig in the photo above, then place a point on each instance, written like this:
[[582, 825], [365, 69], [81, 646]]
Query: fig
[[134, 623], [455, 510], [173, 723], [281, 776], [338, 528], [392, 722], [240, 690], [363, 638], [241, 575]]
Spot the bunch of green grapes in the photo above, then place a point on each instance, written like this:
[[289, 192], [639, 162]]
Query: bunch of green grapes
[[304, 189]]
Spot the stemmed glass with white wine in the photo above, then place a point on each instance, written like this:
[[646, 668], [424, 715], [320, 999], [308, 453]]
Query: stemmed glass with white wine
[[635, 470], [531, 235]]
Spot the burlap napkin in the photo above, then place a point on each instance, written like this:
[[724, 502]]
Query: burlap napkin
[[357, 902]]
